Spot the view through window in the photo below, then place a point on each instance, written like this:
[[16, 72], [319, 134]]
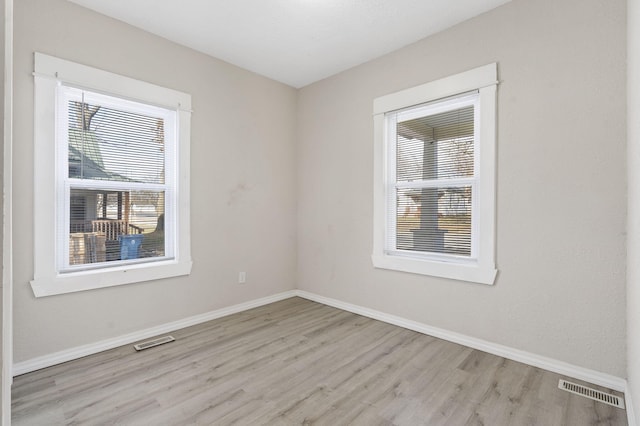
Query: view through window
[[116, 181], [434, 178]]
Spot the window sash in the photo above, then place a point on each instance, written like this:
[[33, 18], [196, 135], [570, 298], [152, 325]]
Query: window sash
[[65, 184], [63, 252], [391, 240], [393, 185]]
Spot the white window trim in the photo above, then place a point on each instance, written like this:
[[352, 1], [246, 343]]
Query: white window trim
[[482, 269], [49, 72]]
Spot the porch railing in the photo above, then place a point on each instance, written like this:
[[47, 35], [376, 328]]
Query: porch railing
[[110, 228]]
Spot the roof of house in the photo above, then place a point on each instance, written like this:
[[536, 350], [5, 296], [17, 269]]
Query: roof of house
[[85, 157]]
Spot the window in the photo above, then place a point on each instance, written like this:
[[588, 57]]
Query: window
[[434, 184], [111, 179]]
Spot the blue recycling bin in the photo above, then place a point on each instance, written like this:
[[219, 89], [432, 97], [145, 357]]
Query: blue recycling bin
[[129, 245]]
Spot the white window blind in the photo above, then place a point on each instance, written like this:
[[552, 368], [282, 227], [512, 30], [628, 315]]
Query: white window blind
[[432, 182], [116, 180]]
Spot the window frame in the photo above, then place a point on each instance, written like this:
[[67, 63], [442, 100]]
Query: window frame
[[50, 73], [66, 184], [480, 268]]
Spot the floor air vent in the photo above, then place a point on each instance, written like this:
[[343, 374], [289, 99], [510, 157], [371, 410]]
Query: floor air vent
[[155, 342], [591, 393]]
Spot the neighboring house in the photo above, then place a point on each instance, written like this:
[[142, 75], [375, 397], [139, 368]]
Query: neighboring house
[[97, 218], [85, 162]]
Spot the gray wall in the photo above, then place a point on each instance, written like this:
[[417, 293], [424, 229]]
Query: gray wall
[[242, 181], [633, 220], [561, 188], [561, 182]]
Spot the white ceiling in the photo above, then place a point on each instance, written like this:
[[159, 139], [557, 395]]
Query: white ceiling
[[296, 42]]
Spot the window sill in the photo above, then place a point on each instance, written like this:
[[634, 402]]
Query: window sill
[[108, 277], [457, 271]]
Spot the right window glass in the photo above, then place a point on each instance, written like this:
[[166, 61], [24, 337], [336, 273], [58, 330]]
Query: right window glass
[[433, 182], [434, 178]]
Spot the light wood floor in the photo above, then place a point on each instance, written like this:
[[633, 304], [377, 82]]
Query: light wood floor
[[297, 362]]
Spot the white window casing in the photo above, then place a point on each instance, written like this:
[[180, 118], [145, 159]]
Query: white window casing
[[55, 79], [476, 88]]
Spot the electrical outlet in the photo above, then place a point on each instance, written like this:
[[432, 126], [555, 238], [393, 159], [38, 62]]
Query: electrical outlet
[[242, 277]]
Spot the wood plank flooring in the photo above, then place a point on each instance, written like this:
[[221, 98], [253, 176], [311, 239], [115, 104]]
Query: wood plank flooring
[[297, 362]]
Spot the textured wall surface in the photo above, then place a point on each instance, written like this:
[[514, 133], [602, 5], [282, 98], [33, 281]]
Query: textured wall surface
[[561, 209], [561, 190], [242, 174]]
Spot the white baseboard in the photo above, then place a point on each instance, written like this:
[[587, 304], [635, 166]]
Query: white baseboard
[[560, 367], [92, 348]]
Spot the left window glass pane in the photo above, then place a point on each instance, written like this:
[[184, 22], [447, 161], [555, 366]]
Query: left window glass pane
[[106, 226]]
